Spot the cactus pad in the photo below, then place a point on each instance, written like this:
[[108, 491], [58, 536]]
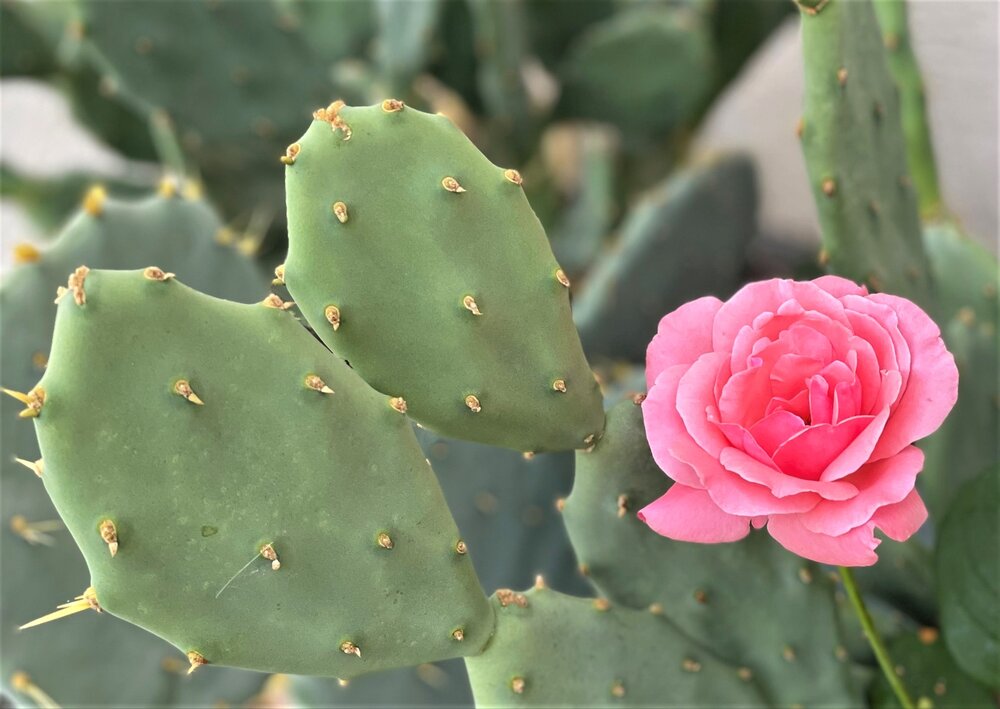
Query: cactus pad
[[555, 650], [422, 264], [261, 520]]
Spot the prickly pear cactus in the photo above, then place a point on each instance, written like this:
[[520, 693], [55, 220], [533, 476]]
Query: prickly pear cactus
[[855, 151], [754, 604], [687, 239], [132, 666], [314, 540], [422, 264], [555, 650]]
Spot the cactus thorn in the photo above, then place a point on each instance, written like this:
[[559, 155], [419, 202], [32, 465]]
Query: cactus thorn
[[225, 236], [85, 601], [279, 275], [155, 273], [33, 401], [343, 682], [458, 634], [829, 187], [805, 574], [622, 505], [472, 402], [637, 399], [461, 548], [291, 153], [560, 504], [513, 176], [528, 455], [38, 467], [905, 182], [398, 403], [562, 277], [26, 253], [35, 532], [167, 187], [349, 648], [384, 540], [517, 685], [928, 635], [873, 208], [109, 533], [689, 665], [584, 569], [332, 315], [316, 384], [507, 597], [618, 689], [196, 660], [40, 360], [392, 105], [842, 76], [700, 596], [800, 127], [824, 257], [331, 114], [340, 211], [811, 10], [788, 652], [559, 385], [540, 583], [267, 551], [840, 652], [274, 301], [469, 303], [94, 199], [602, 604], [745, 674], [22, 682], [656, 608], [182, 387], [940, 688], [452, 185], [74, 285], [589, 439]]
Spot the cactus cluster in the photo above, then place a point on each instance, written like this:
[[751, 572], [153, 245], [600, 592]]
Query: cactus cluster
[[341, 477]]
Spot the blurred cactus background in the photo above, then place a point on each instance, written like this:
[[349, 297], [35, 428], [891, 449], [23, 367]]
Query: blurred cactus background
[[660, 146]]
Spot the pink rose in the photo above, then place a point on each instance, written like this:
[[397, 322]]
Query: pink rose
[[795, 405]]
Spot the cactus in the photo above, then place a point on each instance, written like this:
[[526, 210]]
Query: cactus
[[688, 239], [930, 675], [666, 54], [476, 288], [968, 575], [63, 661], [404, 33], [733, 598], [344, 516], [855, 151], [429, 685], [552, 649]]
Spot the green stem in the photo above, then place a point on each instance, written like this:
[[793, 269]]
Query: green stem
[[874, 639]]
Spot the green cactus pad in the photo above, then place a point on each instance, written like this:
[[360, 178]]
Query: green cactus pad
[[969, 578], [856, 154], [688, 239], [442, 285], [930, 676], [199, 429], [645, 69], [555, 650], [62, 658], [753, 603]]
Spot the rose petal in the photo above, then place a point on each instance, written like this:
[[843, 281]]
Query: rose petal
[[768, 296], [689, 515], [776, 428], [808, 453], [874, 321], [736, 496], [665, 428], [855, 548], [931, 389], [695, 394], [879, 484], [782, 485], [839, 287], [901, 520], [681, 337]]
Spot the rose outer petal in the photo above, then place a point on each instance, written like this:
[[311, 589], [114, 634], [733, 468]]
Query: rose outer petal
[[902, 520], [856, 548], [689, 515], [681, 337], [782, 485], [664, 427]]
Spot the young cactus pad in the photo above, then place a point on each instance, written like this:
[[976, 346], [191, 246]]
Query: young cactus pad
[[556, 650], [422, 264], [241, 493]]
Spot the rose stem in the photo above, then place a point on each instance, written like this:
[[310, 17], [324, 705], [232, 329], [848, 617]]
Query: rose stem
[[874, 639]]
